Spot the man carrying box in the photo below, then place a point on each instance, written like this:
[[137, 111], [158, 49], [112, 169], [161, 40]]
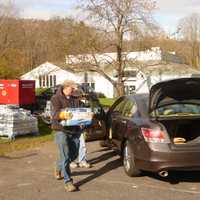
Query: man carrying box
[[67, 139]]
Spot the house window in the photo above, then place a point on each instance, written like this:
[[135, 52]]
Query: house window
[[40, 81], [43, 81], [51, 80], [47, 81], [88, 87], [85, 87], [93, 86], [85, 77], [129, 89], [130, 73], [54, 80]]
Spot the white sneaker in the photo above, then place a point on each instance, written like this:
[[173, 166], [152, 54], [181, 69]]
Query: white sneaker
[[85, 165], [73, 165]]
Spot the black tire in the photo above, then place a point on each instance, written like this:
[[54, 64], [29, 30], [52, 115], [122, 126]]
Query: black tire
[[128, 161]]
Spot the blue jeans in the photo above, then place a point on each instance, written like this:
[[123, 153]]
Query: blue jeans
[[68, 146], [82, 150]]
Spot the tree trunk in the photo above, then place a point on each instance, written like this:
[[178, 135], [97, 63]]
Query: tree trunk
[[120, 89]]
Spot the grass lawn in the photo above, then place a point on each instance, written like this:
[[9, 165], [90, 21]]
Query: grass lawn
[[28, 141], [106, 102]]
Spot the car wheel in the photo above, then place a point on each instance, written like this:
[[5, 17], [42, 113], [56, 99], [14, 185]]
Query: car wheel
[[129, 162]]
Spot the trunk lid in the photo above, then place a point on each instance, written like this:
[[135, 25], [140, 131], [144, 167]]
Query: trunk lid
[[176, 91]]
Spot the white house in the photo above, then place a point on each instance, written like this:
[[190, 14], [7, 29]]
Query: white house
[[150, 66], [48, 75], [154, 54], [151, 75], [147, 68], [100, 83]]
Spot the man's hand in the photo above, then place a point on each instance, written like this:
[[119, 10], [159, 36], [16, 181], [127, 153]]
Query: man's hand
[[65, 115]]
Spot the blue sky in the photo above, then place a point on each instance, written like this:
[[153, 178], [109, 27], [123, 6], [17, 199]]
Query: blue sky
[[45, 9], [167, 15], [169, 12]]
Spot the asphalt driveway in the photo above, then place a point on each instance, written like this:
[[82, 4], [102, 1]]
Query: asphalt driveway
[[28, 175]]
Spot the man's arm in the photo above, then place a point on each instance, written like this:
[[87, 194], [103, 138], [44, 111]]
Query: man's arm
[[57, 113], [55, 108]]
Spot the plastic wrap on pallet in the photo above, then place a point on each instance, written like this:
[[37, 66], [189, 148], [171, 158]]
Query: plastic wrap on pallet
[[16, 121]]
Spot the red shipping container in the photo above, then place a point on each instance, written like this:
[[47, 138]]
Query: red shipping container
[[17, 92]]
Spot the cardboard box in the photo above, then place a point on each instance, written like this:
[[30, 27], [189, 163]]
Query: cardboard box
[[80, 117]]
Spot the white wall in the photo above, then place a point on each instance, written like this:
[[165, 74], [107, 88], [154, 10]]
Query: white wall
[[103, 85], [153, 79], [62, 75]]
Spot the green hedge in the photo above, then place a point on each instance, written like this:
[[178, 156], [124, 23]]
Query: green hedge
[[40, 91]]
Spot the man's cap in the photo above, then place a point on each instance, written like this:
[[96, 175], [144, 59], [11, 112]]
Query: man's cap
[[69, 83]]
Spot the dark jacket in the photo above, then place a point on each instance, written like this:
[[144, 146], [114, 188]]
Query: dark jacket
[[58, 102]]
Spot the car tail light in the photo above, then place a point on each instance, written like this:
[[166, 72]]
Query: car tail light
[[153, 136]]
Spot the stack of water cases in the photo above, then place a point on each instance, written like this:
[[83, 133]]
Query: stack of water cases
[[79, 117], [16, 121]]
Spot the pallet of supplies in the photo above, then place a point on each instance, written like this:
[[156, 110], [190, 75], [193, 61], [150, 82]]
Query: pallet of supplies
[[16, 121]]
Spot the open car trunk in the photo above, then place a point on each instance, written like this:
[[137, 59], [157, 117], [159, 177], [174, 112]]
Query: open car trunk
[[176, 105], [183, 131]]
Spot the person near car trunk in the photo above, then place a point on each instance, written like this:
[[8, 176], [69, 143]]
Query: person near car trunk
[[81, 161], [68, 138]]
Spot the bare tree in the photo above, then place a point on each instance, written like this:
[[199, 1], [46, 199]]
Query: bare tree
[[189, 28], [8, 11], [8, 28], [116, 21]]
